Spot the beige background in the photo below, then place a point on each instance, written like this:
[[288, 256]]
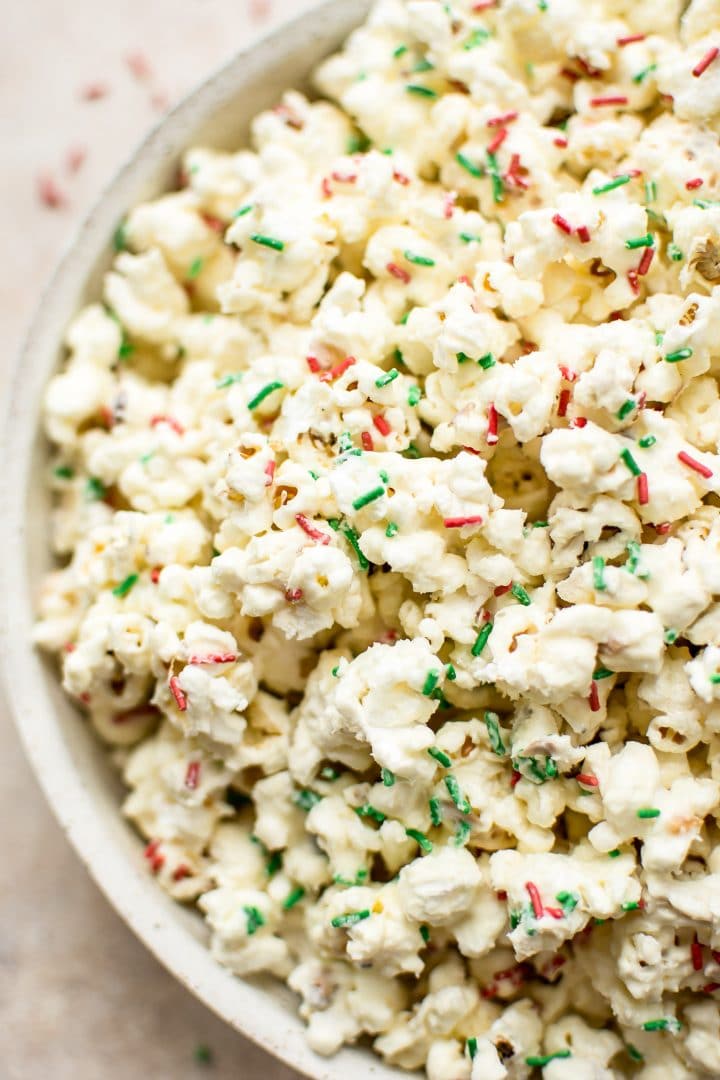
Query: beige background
[[79, 997]]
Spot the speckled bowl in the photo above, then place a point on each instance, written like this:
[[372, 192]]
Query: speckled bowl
[[70, 764]]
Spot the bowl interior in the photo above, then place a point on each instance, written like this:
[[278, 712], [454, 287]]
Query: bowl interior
[[83, 790]]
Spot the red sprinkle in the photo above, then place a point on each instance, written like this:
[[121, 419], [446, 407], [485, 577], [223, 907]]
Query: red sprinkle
[[367, 440], [293, 596], [381, 424], [693, 185], [594, 697], [192, 776], [570, 74], [449, 205], [94, 91], [139, 64], [533, 893], [182, 871], [69, 646], [170, 421], [497, 142], [513, 174], [75, 158], [500, 121], [155, 574], [398, 272], [177, 693], [634, 283], [325, 188], [646, 261], [705, 63], [344, 178], [630, 39], [460, 522], [213, 222], [213, 658], [664, 528], [500, 590], [465, 280], [313, 533], [583, 233], [151, 849], [560, 141], [400, 178], [556, 912], [515, 778], [157, 863], [338, 370], [567, 373], [710, 988], [563, 403], [693, 463], [643, 492], [492, 431], [587, 779], [269, 473], [579, 421], [313, 363], [697, 956], [483, 5], [612, 99], [471, 450], [501, 894], [50, 193], [562, 224]]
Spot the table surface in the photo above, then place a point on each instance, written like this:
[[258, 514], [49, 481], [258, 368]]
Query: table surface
[[80, 998]]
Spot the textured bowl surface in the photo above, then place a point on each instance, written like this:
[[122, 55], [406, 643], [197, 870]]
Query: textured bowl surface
[[71, 766]]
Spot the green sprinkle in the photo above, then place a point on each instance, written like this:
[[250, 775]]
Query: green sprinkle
[[456, 795], [540, 1061], [306, 799], [514, 920], [94, 489], [602, 673], [450, 673], [498, 188], [640, 242], [569, 901], [358, 144], [642, 75], [631, 905], [202, 1054], [477, 37], [435, 811], [64, 472], [418, 260], [399, 358], [388, 377], [400, 51], [634, 551], [648, 812], [244, 210], [634, 1053], [228, 380], [265, 392], [542, 5], [125, 586], [675, 253], [493, 729], [470, 238], [268, 242], [354, 541], [334, 523], [422, 65], [471, 1048], [463, 358], [705, 204], [368, 497], [421, 91], [659, 337], [616, 183], [462, 833], [646, 442], [541, 524], [255, 919], [487, 361], [126, 349], [328, 773], [274, 864], [420, 839], [520, 595], [335, 671], [411, 451], [431, 681], [626, 408], [359, 879], [598, 565], [469, 166], [676, 357], [440, 756], [350, 919], [313, 474], [671, 635], [195, 268], [631, 463], [414, 395], [388, 778], [425, 933], [293, 898], [119, 239], [614, 854], [715, 678], [482, 639], [651, 191], [391, 530], [666, 1024], [369, 811]]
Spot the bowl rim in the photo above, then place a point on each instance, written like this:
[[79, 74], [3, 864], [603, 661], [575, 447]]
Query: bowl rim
[[143, 906]]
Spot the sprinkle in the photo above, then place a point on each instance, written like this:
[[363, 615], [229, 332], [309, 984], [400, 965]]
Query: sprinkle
[[461, 522], [611, 185], [626, 408], [561, 142], [612, 99], [602, 673], [675, 253], [421, 91], [663, 528], [631, 463], [648, 812], [381, 424], [64, 472], [387, 378], [715, 679], [680, 354], [368, 497], [418, 260], [470, 238], [338, 370], [651, 191], [670, 636], [693, 185], [493, 729], [367, 440], [309, 530], [477, 37], [645, 262], [125, 586], [520, 594], [540, 1061], [562, 224], [49, 192], [388, 778], [462, 833], [369, 811], [471, 1048], [533, 893], [563, 402], [630, 39], [265, 392], [705, 63], [583, 233], [695, 465], [268, 242], [475, 170], [170, 421], [431, 681], [481, 639], [293, 898], [487, 361], [94, 91], [456, 795], [633, 1053], [306, 799], [419, 838], [192, 775], [440, 756], [391, 530], [643, 492], [640, 242], [350, 919], [594, 698], [641, 76], [500, 121], [354, 541], [665, 1024], [568, 900], [696, 955], [400, 51], [228, 380], [414, 395], [195, 268], [177, 693], [425, 933], [492, 430], [647, 441], [497, 183], [497, 142]]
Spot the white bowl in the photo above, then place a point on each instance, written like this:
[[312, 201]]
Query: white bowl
[[72, 767]]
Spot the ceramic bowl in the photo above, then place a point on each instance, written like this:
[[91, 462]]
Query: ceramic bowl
[[71, 765]]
